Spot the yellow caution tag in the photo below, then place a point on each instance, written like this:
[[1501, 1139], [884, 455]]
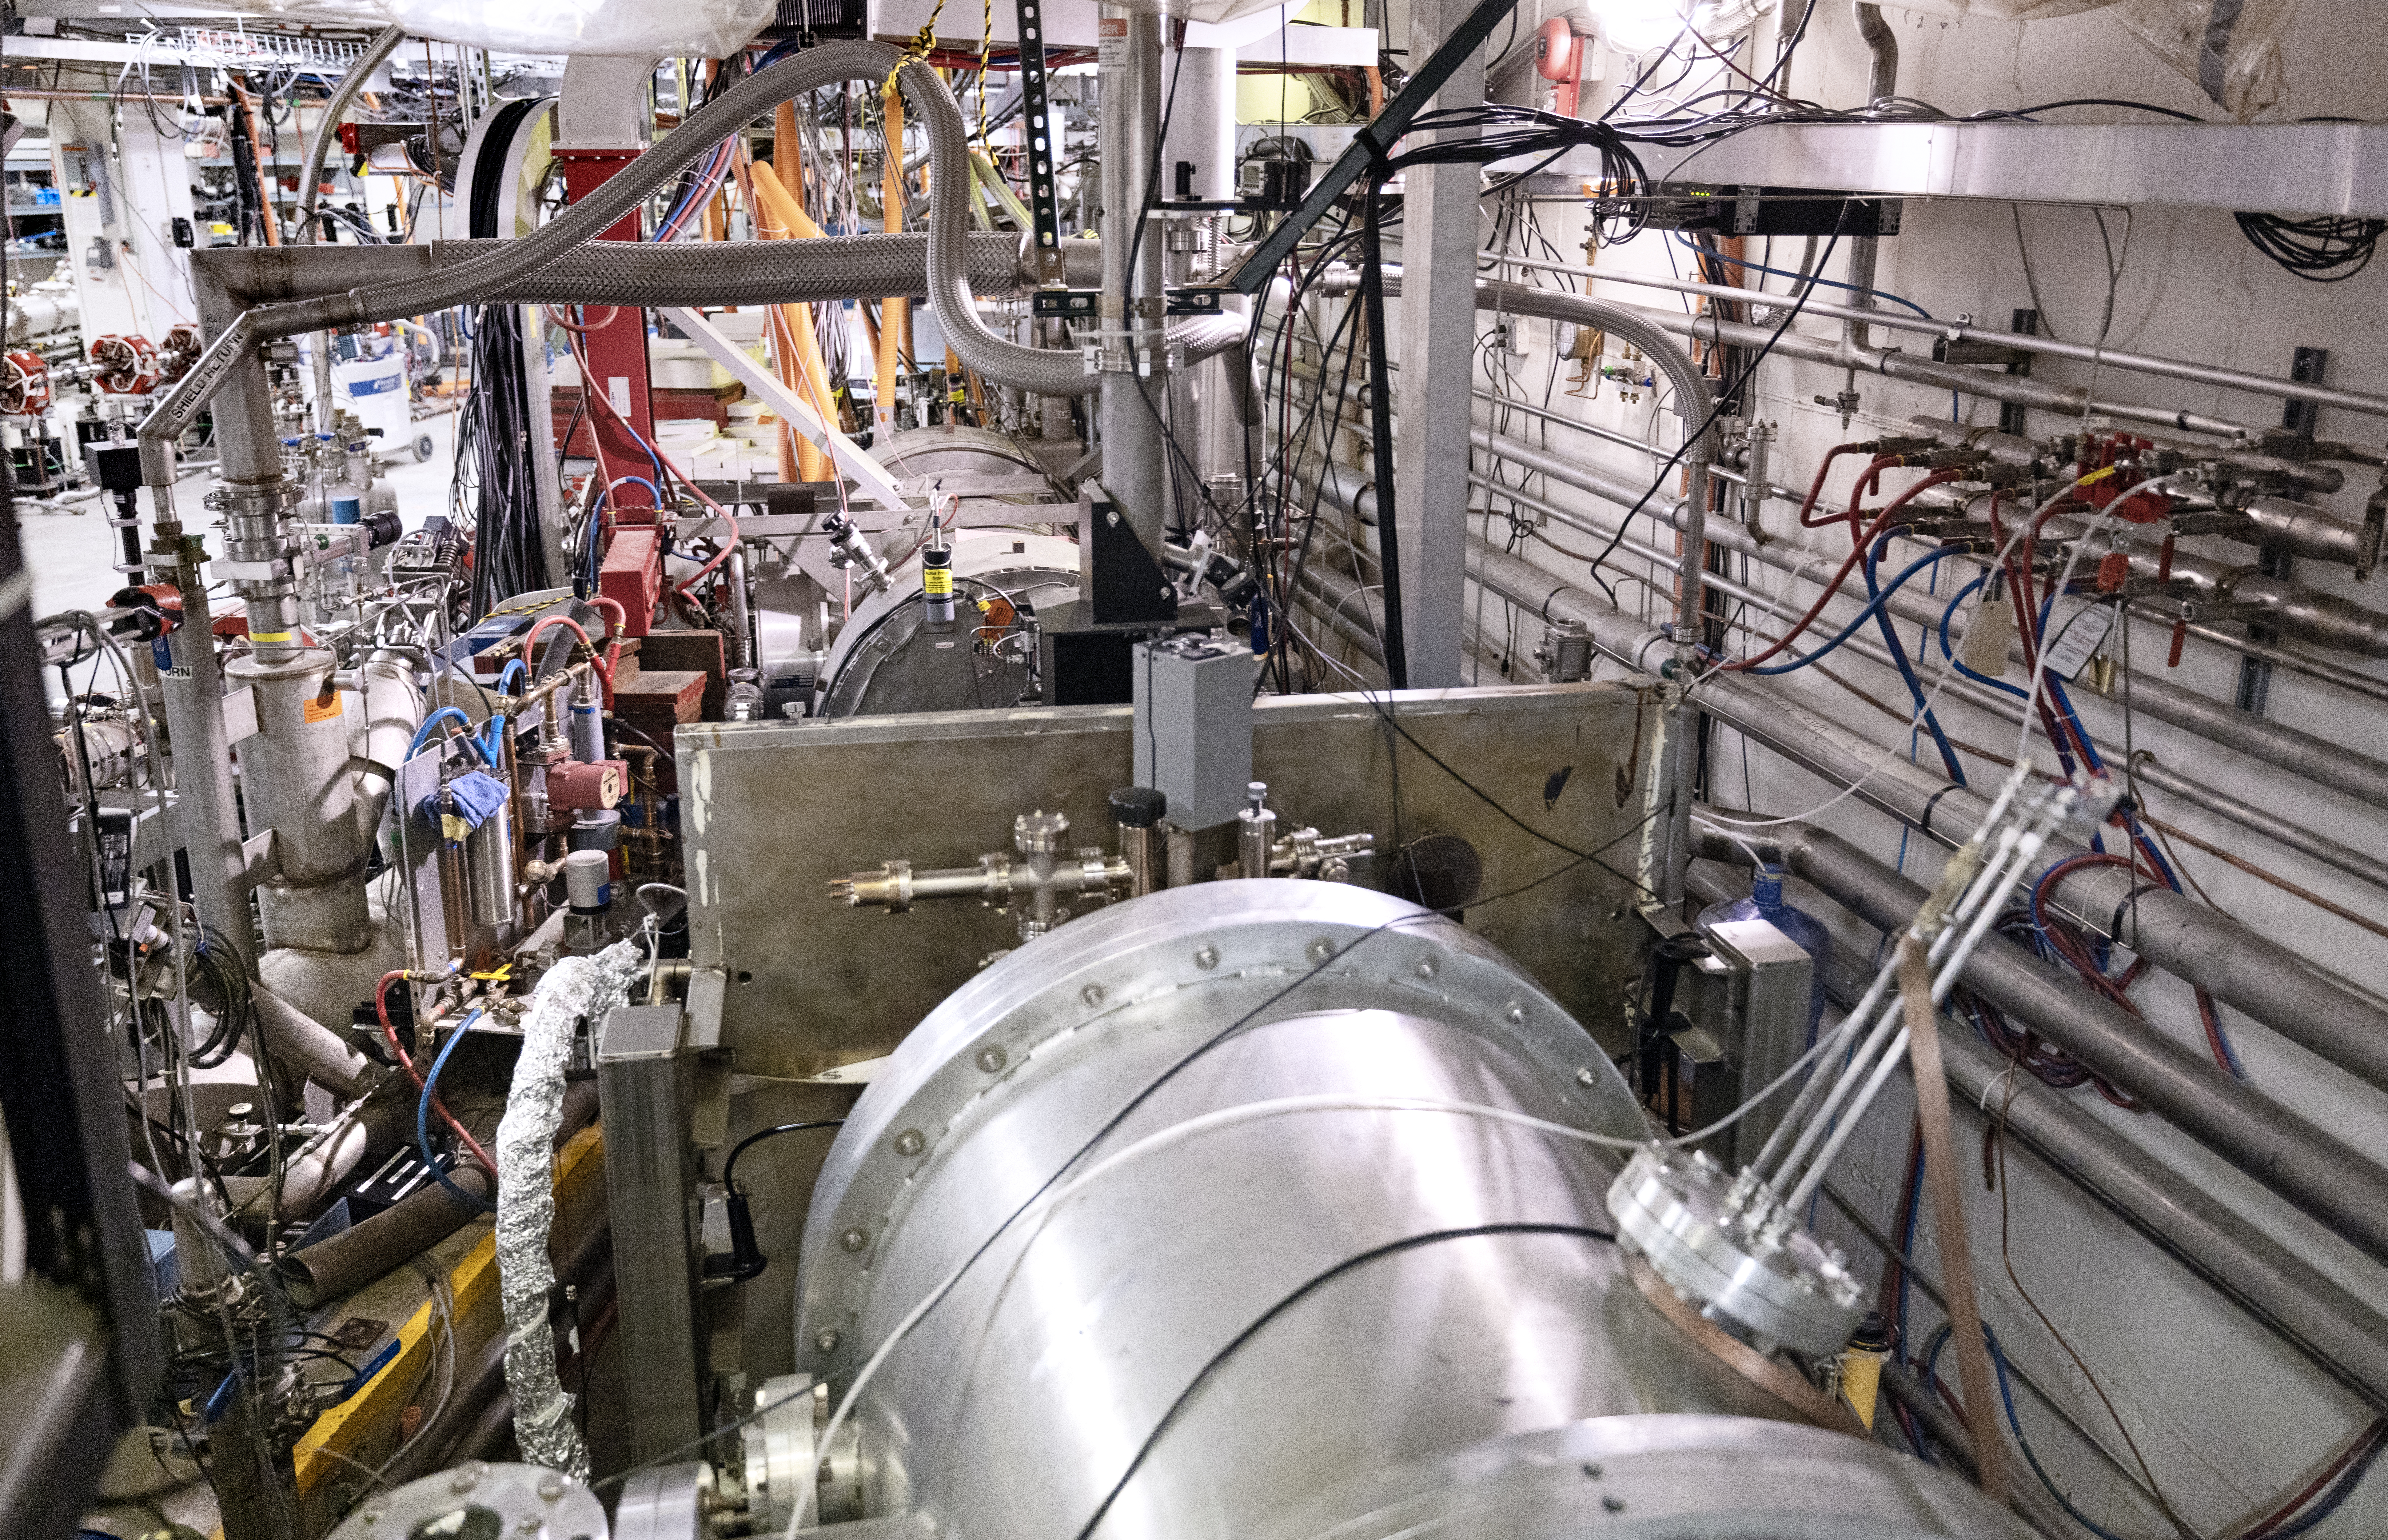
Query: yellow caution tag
[[314, 710], [937, 582]]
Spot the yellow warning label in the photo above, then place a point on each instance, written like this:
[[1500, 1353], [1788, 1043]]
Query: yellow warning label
[[937, 582], [269, 636], [319, 710]]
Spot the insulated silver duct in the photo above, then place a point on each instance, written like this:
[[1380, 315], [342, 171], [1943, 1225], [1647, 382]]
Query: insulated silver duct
[[576, 990], [1184, 1342]]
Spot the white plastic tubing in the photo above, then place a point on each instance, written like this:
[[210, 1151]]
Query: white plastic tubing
[[574, 988]]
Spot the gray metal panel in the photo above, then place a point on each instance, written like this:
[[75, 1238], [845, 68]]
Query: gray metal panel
[[643, 1096], [1766, 1026], [1193, 732], [771, 811], [2282, 168]]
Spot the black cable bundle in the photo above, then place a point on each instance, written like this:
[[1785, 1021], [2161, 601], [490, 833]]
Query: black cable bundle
[[496, 484], [2323, 250]]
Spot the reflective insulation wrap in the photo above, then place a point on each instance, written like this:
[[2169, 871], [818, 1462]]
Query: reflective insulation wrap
[[1180, 1329], [574, 988]]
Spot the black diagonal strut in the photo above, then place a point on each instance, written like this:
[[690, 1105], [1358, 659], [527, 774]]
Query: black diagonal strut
[[1372, 143], [1043, 143]]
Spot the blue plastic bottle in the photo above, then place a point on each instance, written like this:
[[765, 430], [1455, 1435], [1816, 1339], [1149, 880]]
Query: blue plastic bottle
[[1765, 902]]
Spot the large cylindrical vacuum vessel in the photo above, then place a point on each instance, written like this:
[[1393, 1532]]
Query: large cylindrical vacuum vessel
[[295, 779], [1289, 1314]]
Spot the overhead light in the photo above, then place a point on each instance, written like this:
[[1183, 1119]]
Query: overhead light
[[1638, 26]]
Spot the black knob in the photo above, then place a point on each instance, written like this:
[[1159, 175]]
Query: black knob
[[1137, 807]]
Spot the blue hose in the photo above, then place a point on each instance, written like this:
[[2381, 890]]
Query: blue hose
[[1826, 283], [1950, 614], [1872, 608], [1906, 670], [423, 734], [423, 1120]]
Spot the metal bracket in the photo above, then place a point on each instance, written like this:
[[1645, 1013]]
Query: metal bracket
[[1205, 300], [1043, 202]]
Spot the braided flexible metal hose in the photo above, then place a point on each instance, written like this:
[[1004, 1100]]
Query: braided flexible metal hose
[[749, 273], [509, 264]]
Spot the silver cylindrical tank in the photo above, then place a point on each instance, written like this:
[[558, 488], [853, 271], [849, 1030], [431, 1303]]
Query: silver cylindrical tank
[[295, 779], [489, 869], [1279, 1323]]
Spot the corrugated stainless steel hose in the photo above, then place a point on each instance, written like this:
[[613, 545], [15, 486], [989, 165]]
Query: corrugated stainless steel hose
[[844, 265]]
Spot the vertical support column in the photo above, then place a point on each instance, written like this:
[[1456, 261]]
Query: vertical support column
[[1203, 407], [1132, 327], [645, 1095], [1437, 336], [2254, 688]]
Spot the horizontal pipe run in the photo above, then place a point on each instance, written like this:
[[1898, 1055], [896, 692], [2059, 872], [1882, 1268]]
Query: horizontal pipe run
[[2327, 1178], [1840, 353], [2302, 753], [2343, 1336], [745, 272], [2303, 1002], [2279, 657], [2049, 346], [1349, 488], [2147, 769]]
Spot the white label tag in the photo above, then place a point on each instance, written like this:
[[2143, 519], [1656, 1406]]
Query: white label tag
[[618, 390], [240, 715], [1110, 52], [2078, 637]]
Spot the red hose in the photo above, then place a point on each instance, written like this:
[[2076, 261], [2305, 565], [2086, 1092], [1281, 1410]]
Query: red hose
[[1816, 488], [1848, 565], [389, 1035], [604, 670]]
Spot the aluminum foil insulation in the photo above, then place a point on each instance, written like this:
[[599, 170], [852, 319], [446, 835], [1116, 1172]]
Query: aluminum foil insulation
[[576, 989]]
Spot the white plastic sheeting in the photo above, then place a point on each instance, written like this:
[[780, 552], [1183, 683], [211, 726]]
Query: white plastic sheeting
[[575, 989], [690, 29], [2231, 48]]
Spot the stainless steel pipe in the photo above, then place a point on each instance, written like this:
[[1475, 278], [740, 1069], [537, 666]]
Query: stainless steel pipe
[[2343, 1336], [2364, 402], [1087, 1370], [2296, 997], [296, 780], [2327, 1178]]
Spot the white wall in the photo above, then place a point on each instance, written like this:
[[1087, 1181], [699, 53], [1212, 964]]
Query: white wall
[[2229, 1418], [148, 288]]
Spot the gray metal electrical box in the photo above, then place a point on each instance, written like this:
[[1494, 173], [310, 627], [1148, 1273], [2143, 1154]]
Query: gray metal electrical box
[[1748, 1002], [1194, 725]]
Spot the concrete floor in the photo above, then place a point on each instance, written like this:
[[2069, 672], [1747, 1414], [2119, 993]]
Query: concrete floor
[[72, 551]]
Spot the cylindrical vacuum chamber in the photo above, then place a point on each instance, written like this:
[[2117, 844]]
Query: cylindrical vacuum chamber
[[1289, 1313]]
